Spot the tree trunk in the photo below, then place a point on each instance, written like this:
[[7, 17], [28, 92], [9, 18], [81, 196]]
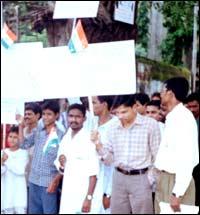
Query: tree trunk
[[59, 32], [104, 28]]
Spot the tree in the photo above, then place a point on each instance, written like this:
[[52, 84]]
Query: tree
[[142, 23], [38, 16], [178, 16]]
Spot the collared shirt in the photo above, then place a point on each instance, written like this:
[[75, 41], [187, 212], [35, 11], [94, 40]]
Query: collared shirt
[[178, 152], [134, 147], [79, 149], [43, 169], [81, 163]]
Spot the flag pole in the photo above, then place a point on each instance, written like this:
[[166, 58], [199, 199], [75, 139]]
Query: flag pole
[[91, 109], [73, 26], [91, 106]]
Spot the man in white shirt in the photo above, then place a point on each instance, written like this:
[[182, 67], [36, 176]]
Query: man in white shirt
[[178, 151], [102, 105], [78, 158]]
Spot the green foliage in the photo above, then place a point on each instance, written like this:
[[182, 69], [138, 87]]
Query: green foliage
[[143, 23], [35, 37], [26, 11], [140, 50], [178, 19]]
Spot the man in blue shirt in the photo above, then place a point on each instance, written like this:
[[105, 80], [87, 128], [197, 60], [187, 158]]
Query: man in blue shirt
[[44, 177]]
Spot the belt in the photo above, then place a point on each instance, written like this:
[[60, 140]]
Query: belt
[[132, 172]]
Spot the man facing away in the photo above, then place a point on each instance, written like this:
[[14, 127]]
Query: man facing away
[[132, 145], [78, 160], [178, 151]]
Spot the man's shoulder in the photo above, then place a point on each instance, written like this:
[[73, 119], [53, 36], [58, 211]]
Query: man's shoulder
[[147, 120]]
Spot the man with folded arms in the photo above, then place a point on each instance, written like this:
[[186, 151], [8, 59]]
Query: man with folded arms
[[132, 145]]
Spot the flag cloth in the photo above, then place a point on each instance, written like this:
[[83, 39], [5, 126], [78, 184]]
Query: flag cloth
[[7, 37], [52, 141], [78, 40]]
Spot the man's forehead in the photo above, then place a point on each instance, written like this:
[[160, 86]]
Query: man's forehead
[[164, 86]]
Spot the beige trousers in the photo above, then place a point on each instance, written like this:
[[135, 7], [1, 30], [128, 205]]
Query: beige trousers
[[131, 194], [164, 189]]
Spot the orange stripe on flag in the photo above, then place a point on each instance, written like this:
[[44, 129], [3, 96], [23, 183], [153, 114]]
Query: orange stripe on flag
[[10, 33], [81, 34]]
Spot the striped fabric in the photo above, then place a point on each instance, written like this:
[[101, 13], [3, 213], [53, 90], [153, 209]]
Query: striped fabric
[[78, 41], [7, 37], [135, 147]]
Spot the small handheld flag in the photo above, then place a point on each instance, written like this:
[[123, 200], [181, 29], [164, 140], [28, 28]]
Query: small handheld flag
[[52, 141], [7, 37], [78, 40]]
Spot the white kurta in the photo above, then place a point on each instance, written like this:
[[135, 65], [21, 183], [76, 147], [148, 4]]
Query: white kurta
[[82, 162], [104, 182], [13, 183]]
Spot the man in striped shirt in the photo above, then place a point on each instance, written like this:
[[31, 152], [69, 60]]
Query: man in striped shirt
[[132, 144]]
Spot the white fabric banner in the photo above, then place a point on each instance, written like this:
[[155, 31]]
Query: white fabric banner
[[75, 9]]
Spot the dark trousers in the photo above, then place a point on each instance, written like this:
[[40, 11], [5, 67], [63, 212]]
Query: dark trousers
[[196, 176]]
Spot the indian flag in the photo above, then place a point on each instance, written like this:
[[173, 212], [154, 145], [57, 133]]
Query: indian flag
[[78, 41], [52, 141], [7, 37]]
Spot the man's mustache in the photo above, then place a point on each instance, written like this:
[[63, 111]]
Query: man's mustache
[[73, 123]]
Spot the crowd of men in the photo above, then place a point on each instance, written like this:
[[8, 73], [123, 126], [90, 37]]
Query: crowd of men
[[129, 155]]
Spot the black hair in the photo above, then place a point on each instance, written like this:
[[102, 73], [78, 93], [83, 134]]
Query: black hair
[[14, 129], [84, 101], [52, 105], [107, 99], [156, 94], [193, 97], [143, 98], [80, 107], [126, 100], [179, 86], [35, 107], [154, 103]]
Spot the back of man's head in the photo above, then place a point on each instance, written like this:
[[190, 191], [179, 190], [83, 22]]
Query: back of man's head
[[179, 86]]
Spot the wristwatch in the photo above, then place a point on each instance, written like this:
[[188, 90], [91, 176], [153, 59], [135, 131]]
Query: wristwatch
[[89, 197], [106, 195]]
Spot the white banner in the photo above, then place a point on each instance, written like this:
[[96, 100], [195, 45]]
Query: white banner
[[9, 109], [33, 73], [125, 11], [101, 69], [75, 9], [17, 66]]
